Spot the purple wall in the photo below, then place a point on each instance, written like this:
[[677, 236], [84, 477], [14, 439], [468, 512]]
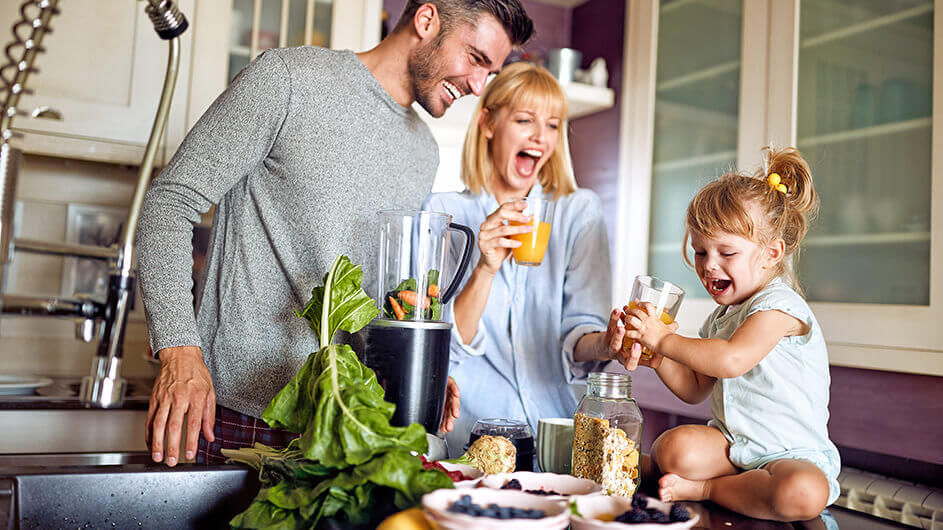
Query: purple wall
[[889, 413], [598, 31]]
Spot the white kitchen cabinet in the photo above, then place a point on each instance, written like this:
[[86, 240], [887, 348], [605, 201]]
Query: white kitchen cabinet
[[99, 82], [230, 33], [852, 85]]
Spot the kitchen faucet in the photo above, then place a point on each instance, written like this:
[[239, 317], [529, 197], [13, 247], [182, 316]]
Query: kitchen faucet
[[103, 387]]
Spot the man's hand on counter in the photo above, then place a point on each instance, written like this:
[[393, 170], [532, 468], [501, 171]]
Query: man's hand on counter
[[183, 387]]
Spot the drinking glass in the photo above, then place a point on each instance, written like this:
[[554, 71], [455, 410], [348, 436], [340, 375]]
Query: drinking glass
[[534, 244], [665, 296]]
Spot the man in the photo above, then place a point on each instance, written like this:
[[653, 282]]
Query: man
[[297, 154]]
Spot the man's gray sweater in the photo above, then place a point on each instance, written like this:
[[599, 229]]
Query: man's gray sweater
[[298, 154]]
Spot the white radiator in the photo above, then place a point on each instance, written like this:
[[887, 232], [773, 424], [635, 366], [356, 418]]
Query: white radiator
[[905, 502]]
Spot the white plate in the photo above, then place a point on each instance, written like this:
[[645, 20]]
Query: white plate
[[468, 471], [436, 504], [21, 385], [566, 485], [594, 506]]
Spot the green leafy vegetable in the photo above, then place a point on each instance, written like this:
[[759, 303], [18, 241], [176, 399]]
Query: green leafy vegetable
[[348, 455], [409, 285]]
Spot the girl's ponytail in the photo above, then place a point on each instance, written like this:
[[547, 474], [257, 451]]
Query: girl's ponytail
[[790, 188]]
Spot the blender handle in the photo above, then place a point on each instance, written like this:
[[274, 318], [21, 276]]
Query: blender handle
[[462, 264]]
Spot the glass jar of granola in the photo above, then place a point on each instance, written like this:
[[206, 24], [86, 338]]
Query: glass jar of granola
[[607, 429]]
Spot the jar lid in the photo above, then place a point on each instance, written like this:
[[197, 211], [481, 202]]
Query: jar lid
[[510, 429], [605, 384]]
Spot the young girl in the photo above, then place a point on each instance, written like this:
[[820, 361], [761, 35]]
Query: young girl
[[761, 356]]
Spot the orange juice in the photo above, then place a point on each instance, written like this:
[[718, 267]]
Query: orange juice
[[646, 353], [533, 244]]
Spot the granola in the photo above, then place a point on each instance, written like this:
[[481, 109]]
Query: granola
[[605, 455]]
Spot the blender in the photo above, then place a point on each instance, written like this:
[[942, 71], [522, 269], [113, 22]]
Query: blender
[[408, 344]]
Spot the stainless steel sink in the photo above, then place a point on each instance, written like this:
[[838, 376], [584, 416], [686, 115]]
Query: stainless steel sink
[[124, 496], [57, 460]]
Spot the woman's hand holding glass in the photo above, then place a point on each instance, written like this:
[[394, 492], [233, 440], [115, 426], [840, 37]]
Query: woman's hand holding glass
[[493, 237], [612, 345], [645, 325]]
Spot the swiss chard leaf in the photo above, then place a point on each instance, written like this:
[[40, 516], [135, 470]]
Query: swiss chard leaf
[[349, 307], [340, 407]]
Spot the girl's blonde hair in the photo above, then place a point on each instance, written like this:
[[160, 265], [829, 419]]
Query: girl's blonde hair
[[728, 204], [518, 85]]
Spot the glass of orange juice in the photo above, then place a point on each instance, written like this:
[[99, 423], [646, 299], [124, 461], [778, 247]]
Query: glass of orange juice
[[534, 244], [665, 296]]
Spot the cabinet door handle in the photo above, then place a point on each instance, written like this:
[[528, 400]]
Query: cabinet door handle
[[46, 113]]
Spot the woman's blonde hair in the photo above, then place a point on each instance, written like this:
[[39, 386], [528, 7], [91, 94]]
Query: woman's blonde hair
[[727, 205], [518, 85]]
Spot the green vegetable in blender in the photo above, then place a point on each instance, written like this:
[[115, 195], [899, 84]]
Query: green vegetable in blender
[[406, 296], [348, 460], [490, 454]]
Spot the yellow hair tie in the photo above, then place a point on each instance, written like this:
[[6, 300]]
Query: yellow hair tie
[[775, 182]]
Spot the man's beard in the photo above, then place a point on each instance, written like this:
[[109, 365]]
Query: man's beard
[[425, 74]]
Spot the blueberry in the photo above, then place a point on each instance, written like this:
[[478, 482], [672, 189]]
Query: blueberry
[[679, 513], [505, 513], [657, 516], [512, 484], [639, 502], [634, 515]]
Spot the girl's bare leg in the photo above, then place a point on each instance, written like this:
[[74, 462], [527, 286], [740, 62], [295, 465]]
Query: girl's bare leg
[[695, 452], [784, 490]]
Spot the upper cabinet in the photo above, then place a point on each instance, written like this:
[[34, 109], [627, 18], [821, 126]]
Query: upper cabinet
[[230, 33], [96, 93], [99, 82], [851, 83]]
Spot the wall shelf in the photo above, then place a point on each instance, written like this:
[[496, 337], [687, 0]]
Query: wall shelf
[[587, 99]]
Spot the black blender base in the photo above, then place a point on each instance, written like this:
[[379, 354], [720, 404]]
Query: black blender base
[[411, 361]]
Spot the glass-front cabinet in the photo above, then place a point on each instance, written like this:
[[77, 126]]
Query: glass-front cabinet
[[852, 84], [697, 94], [230, 33]]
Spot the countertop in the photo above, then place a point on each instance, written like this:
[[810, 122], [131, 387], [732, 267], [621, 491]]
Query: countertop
[[133, 490], [63, 394]]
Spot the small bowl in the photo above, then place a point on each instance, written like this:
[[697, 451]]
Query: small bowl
[[436, 504], [592, 507], [566, 485], [469, 471]]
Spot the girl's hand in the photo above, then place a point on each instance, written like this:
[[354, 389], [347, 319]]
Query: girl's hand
[[493, 237], [644, 325]]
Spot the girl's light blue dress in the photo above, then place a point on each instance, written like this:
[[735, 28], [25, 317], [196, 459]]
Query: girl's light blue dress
[[779, 409], [520, 363]]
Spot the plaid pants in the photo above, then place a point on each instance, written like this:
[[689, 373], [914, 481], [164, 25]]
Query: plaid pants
[[234, 430]]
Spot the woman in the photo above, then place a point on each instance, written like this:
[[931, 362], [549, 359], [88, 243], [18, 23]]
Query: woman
[[524, 334]]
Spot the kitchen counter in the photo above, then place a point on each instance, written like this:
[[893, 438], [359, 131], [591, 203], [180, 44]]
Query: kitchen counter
[[63, 393], [51, 491]]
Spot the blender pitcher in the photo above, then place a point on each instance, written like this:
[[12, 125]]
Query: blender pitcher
[[408, 344], [414, 247]]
